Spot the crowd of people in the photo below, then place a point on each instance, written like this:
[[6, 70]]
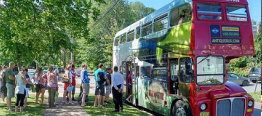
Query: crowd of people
[[19, 85]]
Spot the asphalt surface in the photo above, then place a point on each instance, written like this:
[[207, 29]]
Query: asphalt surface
[[251, 88]]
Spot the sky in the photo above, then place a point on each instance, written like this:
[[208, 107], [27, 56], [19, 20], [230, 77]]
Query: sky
[[254, 6]]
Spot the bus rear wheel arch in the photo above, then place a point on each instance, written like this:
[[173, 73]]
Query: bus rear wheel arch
[[179, 108]]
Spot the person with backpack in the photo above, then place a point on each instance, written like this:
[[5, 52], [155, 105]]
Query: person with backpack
[[85, 84], [100, 78]]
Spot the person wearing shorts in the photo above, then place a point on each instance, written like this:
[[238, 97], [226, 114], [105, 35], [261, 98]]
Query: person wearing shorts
[[40, 87], [85, 84], [10, 84], [100, 89], [108, 85], [68, 76]]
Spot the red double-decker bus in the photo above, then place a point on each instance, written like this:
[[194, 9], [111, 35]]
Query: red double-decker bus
[[178, 56]]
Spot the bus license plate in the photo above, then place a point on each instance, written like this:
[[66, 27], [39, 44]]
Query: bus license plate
[[204, 114]]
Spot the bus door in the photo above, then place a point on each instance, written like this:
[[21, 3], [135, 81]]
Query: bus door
[[129, 70], [173, 76], [185, 76]]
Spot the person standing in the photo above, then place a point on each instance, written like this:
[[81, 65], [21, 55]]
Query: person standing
[[52, 85], [28, 84], [1, 82], [108, 85], [20, 89], [67, 76], [118, 84], [10, 84], [85, 84], [3, 85], [74, 74], [40, 87], [100, 89]]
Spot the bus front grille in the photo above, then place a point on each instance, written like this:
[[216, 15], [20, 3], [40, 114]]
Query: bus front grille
[[230, 107]]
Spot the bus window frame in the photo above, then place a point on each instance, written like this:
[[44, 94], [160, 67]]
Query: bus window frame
[[150, 23], [214, 20], [122, 38], [160, 18], [117, 42], [248, 15], [224, 73], [129, 33], [179, 64], [179, 11], [138, 28]]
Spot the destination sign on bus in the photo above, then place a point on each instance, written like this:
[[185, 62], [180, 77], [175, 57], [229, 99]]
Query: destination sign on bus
[[225, 41], [230, 31], [233, 0]]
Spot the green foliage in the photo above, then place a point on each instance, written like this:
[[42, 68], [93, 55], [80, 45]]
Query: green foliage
[[39, 30], [242, 65], [256, 96], [33, 110]]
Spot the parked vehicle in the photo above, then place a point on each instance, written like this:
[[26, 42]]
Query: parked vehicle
[[45, 71], [238, 79], [255, 74], [31, 73]]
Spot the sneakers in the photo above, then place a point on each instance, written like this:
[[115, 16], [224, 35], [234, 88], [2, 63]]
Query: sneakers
[[107, 102]]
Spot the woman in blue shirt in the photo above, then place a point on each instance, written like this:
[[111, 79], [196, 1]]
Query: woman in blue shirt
[[85, 84]]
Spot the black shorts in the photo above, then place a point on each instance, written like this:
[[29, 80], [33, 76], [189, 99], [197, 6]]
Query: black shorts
[[4, 90], [100, 90], [39, 87]]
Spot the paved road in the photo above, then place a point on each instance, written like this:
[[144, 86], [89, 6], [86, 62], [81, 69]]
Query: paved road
[[251, 87]]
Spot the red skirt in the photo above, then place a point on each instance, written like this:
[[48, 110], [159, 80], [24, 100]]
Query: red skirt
[[66, 85]]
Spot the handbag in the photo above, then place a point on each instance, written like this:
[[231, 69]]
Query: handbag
[[65, 80]]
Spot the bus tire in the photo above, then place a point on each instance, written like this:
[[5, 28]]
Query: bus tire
[[179, 109]]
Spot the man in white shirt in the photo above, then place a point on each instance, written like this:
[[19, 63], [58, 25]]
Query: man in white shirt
[[118, 84]]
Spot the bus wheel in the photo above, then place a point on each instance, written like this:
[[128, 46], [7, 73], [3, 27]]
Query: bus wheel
[[179, 109]]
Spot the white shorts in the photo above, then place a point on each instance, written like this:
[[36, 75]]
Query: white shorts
[[26, 92]]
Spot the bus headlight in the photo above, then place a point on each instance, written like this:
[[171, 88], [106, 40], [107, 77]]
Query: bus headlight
[[250, 103], [203, 107]]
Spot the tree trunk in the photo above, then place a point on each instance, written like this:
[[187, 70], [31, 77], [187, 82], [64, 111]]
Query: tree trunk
[[36, 65], [64, 61]]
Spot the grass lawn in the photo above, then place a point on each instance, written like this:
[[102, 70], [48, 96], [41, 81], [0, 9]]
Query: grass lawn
[[32, 110], [107, 110], [256, 96]]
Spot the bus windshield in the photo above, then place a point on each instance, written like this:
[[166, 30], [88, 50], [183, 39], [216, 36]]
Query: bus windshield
[[209, 11], [210, 70], [236, 13]]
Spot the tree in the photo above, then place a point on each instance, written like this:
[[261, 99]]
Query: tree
[[38, 30]]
